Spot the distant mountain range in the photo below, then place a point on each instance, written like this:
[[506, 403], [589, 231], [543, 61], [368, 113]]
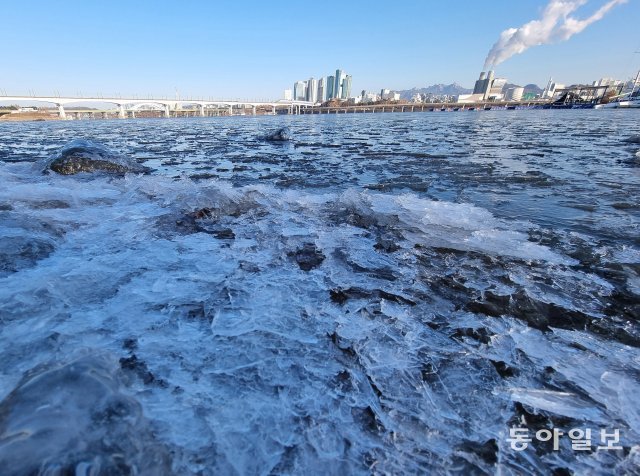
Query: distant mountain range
[[454, 89]]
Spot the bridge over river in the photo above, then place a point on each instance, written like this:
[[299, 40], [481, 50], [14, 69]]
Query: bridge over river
[[130, 105]]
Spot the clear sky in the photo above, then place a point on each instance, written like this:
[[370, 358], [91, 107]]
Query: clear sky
[[255, 49]]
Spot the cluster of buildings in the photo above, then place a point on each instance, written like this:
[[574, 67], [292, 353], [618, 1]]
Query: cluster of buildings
[[425, 98], [367, 97], [321, 90], [488, 87], [609, 83]]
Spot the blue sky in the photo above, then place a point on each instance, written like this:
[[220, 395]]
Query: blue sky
[[255, 49]]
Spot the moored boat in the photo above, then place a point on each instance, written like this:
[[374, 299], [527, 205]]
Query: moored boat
[[627, 100]]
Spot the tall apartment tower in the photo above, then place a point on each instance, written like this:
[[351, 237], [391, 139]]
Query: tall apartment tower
[[322, 89], [337, 85], [331, 84], [300, 91], [312, 90], [346, 87]]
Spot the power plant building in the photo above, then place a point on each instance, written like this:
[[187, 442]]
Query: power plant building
[[488, 87], [495, 91], [514, 94], [483, 84]]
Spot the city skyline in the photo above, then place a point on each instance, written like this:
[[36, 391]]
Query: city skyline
[[328, 87], [165, 49]]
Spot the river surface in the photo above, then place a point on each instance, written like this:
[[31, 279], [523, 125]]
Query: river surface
[[382, 294]]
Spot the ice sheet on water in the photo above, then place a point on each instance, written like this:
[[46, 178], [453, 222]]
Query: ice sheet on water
[[72, 418], [367, 362], [461, 226], [560, 403]]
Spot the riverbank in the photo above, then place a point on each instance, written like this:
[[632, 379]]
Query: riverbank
[[29, 116], [354, 109]]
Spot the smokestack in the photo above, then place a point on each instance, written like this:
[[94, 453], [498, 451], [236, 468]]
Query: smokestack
[[483, 75], [556, 24], [488, 84]]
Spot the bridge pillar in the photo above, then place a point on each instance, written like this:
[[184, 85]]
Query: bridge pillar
[[121, 113], [273, 110], [231, 110], [253, 110], [133, 114], [166, 111], [202, 110], [61, 113]]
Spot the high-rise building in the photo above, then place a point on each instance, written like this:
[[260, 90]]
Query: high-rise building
[[551, 88], [322, 89], [337, 85], [300, 91], [346, 87], [331, 81], [547, 90], [288, 94], [312, 90]]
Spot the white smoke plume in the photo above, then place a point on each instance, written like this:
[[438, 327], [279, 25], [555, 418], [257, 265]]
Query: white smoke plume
[[556, 24]]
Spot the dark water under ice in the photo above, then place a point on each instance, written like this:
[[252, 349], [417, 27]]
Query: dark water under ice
[[384, 294]]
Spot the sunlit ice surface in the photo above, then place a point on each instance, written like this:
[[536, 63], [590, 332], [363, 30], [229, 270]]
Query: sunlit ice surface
[[383, 294]]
